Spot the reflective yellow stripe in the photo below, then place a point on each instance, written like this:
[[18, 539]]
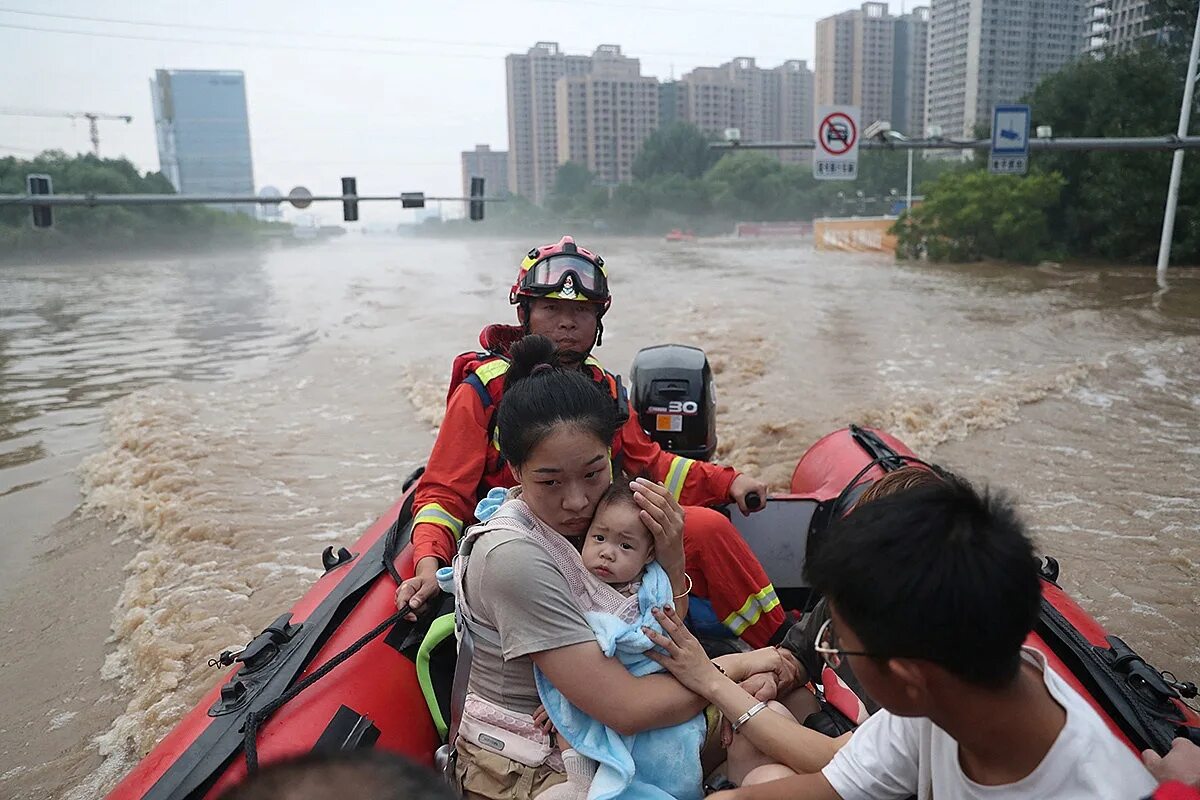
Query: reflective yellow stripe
[[592, 362], [677, 475], [496, 437], [491, 370], [756, 605], [434, 513]]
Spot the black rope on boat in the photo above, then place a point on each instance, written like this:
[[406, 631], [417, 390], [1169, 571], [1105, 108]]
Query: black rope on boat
[[391, 548], [255, 718]]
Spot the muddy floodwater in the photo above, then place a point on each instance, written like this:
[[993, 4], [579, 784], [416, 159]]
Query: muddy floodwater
[[179, 439]]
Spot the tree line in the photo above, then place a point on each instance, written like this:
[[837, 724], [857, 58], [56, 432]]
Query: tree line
[[108, 227]]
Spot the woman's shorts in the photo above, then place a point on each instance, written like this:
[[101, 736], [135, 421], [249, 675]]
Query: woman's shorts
[[483, 773]]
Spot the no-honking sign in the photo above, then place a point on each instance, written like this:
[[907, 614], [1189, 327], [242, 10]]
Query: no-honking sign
[[836, 155]]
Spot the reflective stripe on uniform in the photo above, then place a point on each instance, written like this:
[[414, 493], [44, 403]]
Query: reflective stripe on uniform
[[677, 475], [435, 514], [756, 605], [490, 370]]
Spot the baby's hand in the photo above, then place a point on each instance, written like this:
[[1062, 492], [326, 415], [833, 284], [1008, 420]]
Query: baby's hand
[[542, 720]]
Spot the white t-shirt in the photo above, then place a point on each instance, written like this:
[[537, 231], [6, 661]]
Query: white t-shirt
[[898, 757]]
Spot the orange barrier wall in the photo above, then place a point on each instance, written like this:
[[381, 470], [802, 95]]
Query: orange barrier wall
[[856, 234]]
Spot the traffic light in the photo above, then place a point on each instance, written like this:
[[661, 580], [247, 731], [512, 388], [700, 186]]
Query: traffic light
[[476, 205], [412, 199], [350, 207], [43, 216]]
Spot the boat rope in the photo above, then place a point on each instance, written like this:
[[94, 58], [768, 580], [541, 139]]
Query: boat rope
[[255, 718]]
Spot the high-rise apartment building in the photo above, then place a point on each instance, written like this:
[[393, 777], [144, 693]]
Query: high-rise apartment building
[[868, 58], [604, 116], [491, 165], [984, 52], [1116, 25], [873, 57], [854, 55], [532, 122], [763, 104], [203, 132], [910, 72], [795, 87], [834, 79]]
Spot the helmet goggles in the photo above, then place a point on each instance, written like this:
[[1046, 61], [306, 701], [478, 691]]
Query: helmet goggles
[[566, 276]]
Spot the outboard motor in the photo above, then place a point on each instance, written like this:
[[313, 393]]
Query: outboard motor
[[675, 399]]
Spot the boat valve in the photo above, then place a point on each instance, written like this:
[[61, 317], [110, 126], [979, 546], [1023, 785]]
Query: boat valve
[[226, 658], [1186, 689]]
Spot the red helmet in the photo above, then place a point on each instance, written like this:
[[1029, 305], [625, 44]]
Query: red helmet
[[562, 271]]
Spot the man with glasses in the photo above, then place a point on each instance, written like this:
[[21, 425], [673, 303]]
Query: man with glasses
[[932, 592], [561, 292]]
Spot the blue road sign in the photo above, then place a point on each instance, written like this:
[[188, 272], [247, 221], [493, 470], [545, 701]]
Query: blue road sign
[[1010, 130]]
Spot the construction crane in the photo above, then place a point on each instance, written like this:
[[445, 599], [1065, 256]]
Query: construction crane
[[91, 116]]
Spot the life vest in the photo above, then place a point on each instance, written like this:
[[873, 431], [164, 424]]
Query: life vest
[[485, 372]]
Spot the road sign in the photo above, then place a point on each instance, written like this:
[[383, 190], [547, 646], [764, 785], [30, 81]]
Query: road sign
[[300, 197], [1010, 140], [836, 155], [1008, 165]]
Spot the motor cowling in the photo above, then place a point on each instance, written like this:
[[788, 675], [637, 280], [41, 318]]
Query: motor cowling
[[675, 399]]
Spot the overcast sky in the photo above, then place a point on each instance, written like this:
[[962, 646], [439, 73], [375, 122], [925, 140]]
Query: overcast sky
[[390, 92]]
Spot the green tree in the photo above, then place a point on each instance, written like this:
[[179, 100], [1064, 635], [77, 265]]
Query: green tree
[[747, 184], [571, 183], [972, 215], [107, 226], [1112, 203], [676, 149], [680, 194], [1176, 19], [631, 203]]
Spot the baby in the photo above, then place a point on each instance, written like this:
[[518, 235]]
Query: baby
[[618, 546], [617, 550]]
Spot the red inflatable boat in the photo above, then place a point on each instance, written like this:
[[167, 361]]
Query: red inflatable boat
[[300, 685]]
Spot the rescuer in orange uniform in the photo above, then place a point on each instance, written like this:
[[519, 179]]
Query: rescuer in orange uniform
[[562, 293]]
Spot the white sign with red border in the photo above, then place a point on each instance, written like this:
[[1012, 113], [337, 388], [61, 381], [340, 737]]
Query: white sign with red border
[[836, 155]]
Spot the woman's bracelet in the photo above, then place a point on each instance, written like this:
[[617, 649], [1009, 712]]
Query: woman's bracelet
[[686, 591], [750, 712]]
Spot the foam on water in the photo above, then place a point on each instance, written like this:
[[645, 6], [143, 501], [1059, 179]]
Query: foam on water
[[211, 485], [1050, 383]]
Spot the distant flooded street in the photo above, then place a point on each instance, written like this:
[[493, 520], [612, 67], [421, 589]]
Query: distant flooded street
[[180, 438]]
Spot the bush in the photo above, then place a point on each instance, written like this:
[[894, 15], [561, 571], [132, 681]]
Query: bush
[[972, 215]]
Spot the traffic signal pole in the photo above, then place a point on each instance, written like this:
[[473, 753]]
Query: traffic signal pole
[[1185, 113]]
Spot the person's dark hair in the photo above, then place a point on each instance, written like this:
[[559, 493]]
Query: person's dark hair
[[935, 572], [619, 492], [539, 395], [357, 773]]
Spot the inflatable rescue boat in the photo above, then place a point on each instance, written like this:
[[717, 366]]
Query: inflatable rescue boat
[[341, 670]]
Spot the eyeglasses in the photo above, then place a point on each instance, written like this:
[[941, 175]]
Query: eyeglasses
[[827, 646]]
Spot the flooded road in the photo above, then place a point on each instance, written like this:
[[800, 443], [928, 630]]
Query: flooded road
[[179, 439]]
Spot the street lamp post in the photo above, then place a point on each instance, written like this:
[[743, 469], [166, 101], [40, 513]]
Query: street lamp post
[[908, 189]]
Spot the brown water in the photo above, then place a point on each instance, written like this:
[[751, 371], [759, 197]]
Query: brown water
[[225, 419]]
